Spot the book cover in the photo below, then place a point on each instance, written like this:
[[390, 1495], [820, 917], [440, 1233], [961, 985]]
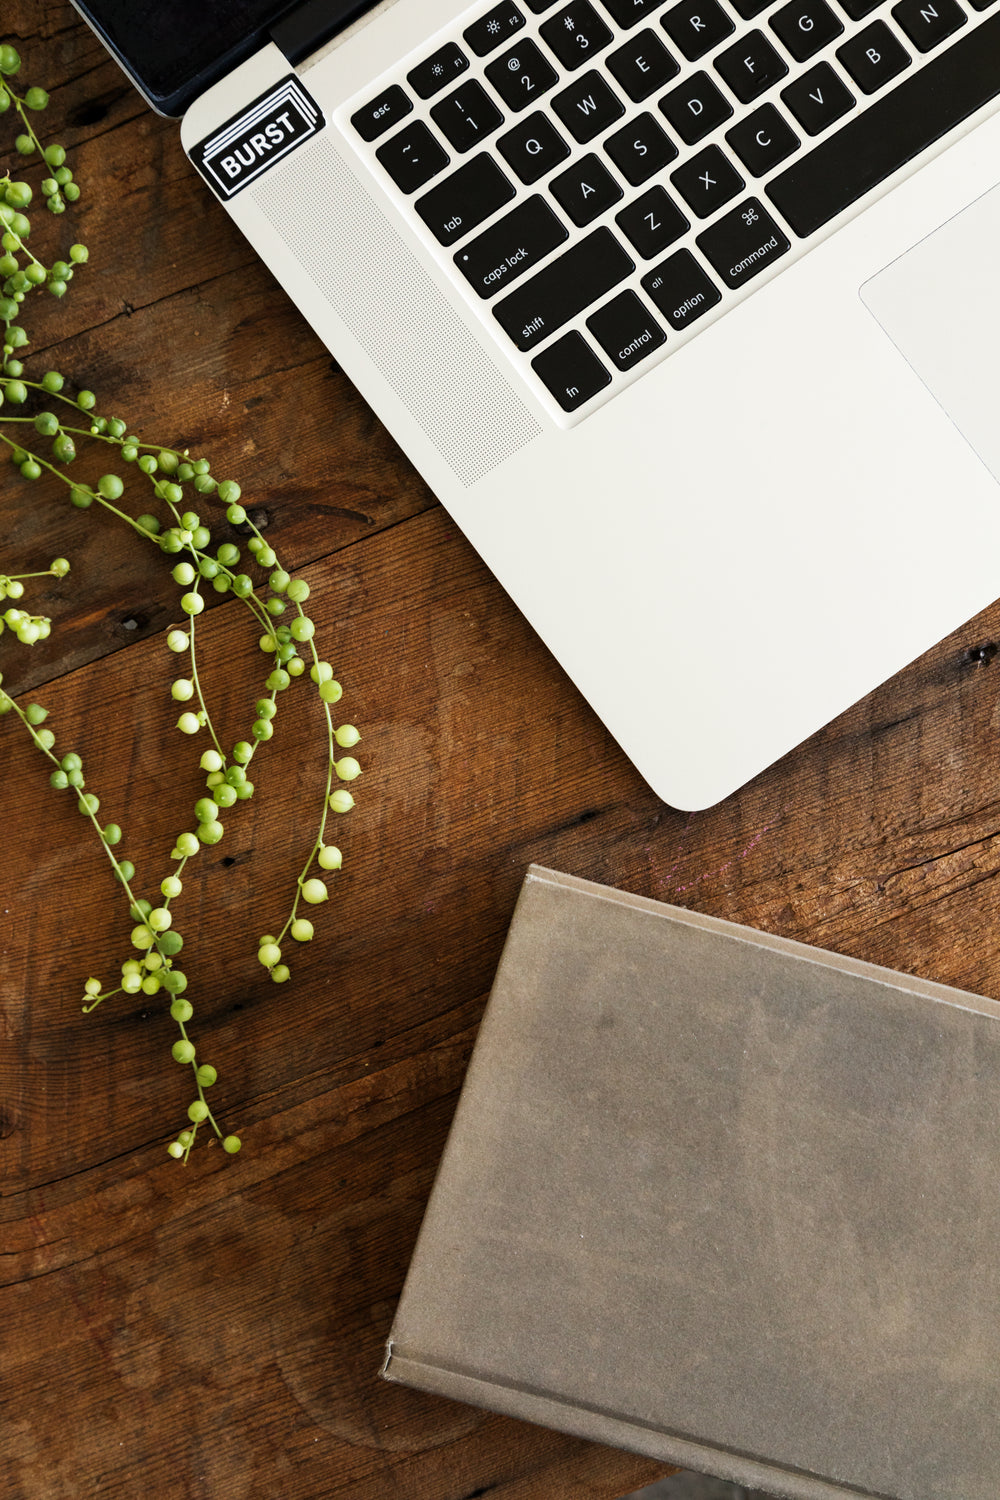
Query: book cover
[[722, 1199]]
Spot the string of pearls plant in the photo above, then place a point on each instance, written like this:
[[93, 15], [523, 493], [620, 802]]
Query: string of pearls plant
[[42, 422]]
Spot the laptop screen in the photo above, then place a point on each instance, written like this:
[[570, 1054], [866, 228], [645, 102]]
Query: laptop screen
[[175, 49]]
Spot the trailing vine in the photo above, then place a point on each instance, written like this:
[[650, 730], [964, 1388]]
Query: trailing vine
[[43, 423]]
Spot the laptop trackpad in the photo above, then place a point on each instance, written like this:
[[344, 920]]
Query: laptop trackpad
[[940, 305]]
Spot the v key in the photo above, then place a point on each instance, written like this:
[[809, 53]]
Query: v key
[[818, 98]]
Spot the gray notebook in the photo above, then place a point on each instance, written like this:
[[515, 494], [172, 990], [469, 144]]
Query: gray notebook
[[722, 1199]]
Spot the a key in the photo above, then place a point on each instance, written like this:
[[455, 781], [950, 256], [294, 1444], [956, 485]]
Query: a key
[[585, 190], [695, 107], [652, 222], [640, 148], [743, 243], [707, 181], [440, 69], [805, 27], [533, 147], [818, 98], [626, 330], [923, 107], [873, 57], [571, 370], [587, 107], [510, 247], [752, 66], [563, 288], [412, 157], [927, 24], [576, 34], [697, 26], [763, 139], [521, 76], [462, 201], [467, 116], [630, 12], [496, 27], [382, 113], [643, 65], [681, 289]]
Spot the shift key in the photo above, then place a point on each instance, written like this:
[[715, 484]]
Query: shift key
[[563, 288], [510, 247]]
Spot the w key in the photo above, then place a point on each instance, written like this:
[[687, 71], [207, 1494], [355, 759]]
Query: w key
[[510, 247]]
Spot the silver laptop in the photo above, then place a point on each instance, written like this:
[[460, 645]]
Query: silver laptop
[[687, 310]]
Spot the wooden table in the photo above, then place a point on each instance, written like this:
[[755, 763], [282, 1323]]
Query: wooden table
[[214, 1330]]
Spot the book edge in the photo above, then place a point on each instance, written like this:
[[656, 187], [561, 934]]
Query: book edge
[[599, 1426], [755, 937]]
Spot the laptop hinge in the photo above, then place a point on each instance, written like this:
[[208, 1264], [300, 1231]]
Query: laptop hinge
[[305, 27]]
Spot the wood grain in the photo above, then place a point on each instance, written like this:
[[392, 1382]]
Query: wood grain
[[214, 1332]]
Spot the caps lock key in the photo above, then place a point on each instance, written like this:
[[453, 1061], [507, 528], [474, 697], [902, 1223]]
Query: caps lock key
[[510, 247]]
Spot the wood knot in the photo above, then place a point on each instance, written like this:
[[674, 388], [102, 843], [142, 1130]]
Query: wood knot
[[8, 1122]]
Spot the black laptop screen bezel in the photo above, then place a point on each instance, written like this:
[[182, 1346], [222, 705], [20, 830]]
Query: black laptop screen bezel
[[173, 50]]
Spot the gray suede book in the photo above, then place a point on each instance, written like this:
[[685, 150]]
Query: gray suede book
[[722, 1199]]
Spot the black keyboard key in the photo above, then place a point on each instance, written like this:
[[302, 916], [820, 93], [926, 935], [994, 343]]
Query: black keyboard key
[[928, 22], [858, 9], [538, 6], [576, 34], [626, 330], [806, 27], [585, 190], [652, 222], [750, 8], [440, 69], [563, 289], [982, 4], [521, 76], [744, 242], [630, 12], [695, 107], [462, 201], [643, 65], [533, 148], [752, 66], [510, 247], [588, 107], [707, 181], [640, 148], [818, 98], [681, 289], [412, 157], [931, 101], [762, 140], [496, 27], [571, 370], [873, 57], [467, 116], [697, 26], [382, 113]]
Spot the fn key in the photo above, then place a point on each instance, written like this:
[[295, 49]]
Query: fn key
[[571, 370]]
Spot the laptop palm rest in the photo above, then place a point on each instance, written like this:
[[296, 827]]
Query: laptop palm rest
[[940, 305]]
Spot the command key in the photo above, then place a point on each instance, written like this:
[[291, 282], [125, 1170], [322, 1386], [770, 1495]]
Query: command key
[[743, 243]]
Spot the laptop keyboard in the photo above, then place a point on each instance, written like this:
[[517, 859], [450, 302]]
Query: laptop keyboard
[[605, 177]]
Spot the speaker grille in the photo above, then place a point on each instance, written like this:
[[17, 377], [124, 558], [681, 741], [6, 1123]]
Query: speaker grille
[[340, 235]]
